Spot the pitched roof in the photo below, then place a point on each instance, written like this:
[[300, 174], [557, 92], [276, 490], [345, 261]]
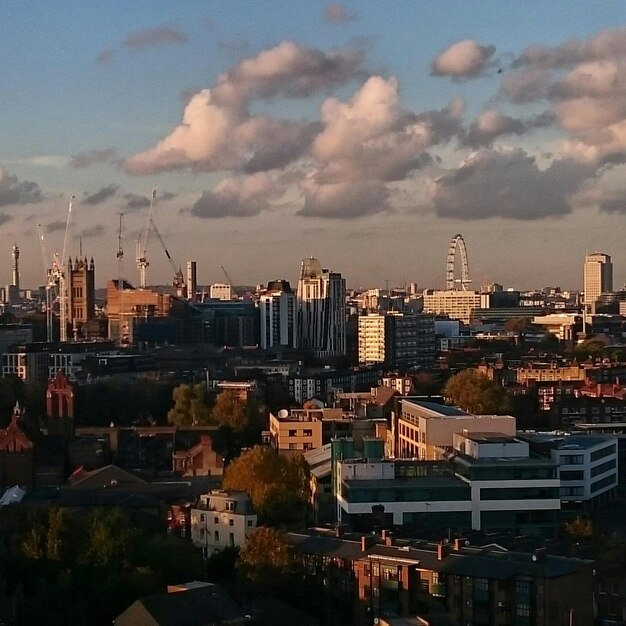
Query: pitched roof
[[203, 606]]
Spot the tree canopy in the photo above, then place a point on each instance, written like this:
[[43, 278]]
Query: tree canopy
[[230, 410], [265, 557], [277, 485], [190, 406], [475, 393]]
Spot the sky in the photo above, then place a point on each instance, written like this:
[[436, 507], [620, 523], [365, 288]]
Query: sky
[[366, 134]]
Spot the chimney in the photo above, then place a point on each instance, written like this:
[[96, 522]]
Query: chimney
[[459, 543], [387, 537], [206, 442], [340, 529], [367, 542], [599, 390], [443, 549]]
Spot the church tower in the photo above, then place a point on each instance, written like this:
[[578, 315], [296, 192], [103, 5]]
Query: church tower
[[81, 286], [60, 407]]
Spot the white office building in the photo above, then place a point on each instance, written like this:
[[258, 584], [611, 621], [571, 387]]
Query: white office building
[[277, 315]]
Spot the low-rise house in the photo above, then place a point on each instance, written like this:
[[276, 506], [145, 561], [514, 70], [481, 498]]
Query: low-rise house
[[222, 519]]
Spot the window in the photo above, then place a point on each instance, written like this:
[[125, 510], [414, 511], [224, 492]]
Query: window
[[523, 610], [216, 520], [307, 433], [481, 584], [231, 505], [216, 536], [231, 522], [231, 539], [202, 517], [249, 523], [293, 433]]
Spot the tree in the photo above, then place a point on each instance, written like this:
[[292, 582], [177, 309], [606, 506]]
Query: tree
[[517, 325], [265, 558], [474, 392], [189, 406], [592, 348], [230, 410], [110, 539], [277, 486]]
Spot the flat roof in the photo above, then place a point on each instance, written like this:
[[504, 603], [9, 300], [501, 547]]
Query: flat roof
[[487, 437], [441, 409]]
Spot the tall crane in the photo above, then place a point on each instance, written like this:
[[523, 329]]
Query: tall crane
[[141, 244], [55, 280], [230, 282], [142, 251]]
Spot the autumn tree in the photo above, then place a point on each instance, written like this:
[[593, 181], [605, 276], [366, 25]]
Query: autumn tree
[[278, 486], [190, 407], [475, 393], [265, 558], [230, 410]]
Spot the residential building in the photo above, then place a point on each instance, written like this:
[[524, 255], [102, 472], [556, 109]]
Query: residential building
[[198, 460], [457, 305], [397, 339], [597, 277], [365, 580], [321, 310], [222, 519], [420, 427], [278, 319]]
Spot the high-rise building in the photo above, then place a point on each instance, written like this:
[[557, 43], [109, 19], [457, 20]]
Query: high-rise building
[[598, 276], [192, 280], [221, 291], [321, 310], [277, 314], [395, 339]]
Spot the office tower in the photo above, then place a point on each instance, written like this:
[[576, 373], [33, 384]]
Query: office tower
[[277, 314], [16, 267], [192, 280], [321, 310], [598, 277]]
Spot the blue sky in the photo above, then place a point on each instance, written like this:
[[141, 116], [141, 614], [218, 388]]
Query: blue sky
[[99, 85]]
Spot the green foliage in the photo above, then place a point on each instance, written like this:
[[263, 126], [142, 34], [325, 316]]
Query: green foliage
[[110, 538], [190, 406], [278, 486], [592, 348], [425, 383], [475, 393], [517, 324], [265, 557]]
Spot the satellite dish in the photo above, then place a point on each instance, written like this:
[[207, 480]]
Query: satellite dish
[[283, 414], [376, 620], [534, 557]]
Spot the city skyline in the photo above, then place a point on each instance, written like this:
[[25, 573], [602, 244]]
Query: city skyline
[[362, 136]]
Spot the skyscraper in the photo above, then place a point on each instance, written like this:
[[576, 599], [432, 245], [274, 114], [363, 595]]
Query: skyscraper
[[598, 277], [277, 313], [321, 310]]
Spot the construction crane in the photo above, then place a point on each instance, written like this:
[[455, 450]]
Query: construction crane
[[55, 280], [141, 244], [230, 282], [142, 251]]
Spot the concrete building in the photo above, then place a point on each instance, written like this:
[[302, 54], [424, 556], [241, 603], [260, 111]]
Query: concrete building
[[277, 316], [397, 339], [192, 280], [587, 467], [486, 482], [597, 277], [321, 310], [221, 291], [457, 305], [420, 428], [222, 519]]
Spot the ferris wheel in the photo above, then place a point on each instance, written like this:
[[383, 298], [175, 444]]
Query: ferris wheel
[[457, 243]]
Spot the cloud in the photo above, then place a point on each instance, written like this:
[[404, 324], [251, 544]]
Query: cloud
[[371, 137], [104, 193], [339, 14], [490, 125], [507, 183], [105, 56], [585, 82], [135, 201], [13, 191], [91, 157], [93, 231], [233, 197], [614, 202], [55, 226], [219, 133], [463, 59], [344, 200], [158, 36]]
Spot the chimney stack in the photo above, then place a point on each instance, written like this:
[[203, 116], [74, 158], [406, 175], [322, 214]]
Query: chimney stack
[[443, 549]]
